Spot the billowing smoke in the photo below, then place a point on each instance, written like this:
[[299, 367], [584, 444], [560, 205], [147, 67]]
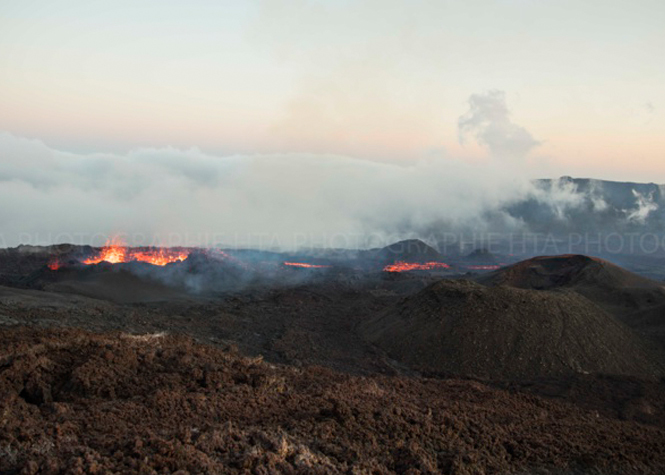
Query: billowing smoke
[[280, 200], [167, 196], [488, 120], [288, 197]]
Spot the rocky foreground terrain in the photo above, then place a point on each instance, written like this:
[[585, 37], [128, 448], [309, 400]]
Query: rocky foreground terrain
[[551, 365], [79, 402]]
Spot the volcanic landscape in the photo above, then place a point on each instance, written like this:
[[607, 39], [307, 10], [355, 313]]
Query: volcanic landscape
[[390, 360]]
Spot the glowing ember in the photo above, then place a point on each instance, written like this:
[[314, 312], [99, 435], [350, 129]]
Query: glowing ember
[[409, 266], [305, 265], [116, 252], [54, 265]]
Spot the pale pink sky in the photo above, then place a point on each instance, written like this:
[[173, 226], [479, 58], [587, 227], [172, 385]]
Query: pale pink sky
[[380, 80]]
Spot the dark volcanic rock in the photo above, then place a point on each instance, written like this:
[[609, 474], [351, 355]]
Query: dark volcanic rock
[[624, 294], [569, 270], [464, 328], [411, 250], [481, 256], [601, 206], [75, 402]]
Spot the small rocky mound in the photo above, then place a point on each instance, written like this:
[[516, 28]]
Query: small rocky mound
[[463, 328], [568, 270], [18, 263], [615, 289], [481, 256], [76, 402], [411, 250]]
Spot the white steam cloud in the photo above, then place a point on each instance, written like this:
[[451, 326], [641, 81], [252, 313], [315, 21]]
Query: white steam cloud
[[561, 197], [645, 205], [489, 121], [168, 196], [288, 198]]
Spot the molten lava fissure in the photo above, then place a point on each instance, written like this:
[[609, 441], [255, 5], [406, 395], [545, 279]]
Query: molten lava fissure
[[159, 257], [305, 265], [409, 266], [115, 252]]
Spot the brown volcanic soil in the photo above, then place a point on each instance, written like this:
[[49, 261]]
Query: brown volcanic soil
[[305, 325], [116, 286], [615, 289], [75, 402], [461, 327]]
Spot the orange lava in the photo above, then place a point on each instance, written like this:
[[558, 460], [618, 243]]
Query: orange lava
[[160, 257], [408, 266], [115, 252], [55, 265], [305, 265]]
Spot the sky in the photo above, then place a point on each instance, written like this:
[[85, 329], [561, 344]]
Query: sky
[[382, 80], [102, 103]]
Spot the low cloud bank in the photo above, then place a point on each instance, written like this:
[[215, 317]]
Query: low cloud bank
[[187, 197]]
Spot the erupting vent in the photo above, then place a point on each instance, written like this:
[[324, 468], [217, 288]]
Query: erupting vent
[[116, 252]]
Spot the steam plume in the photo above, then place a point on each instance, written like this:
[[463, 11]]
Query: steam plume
[[169, 196]]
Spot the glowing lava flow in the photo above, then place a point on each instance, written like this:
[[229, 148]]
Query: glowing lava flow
[[305, 265], [54, 265], [159, 257], [113, 252], [116, 252], [409, 266]]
